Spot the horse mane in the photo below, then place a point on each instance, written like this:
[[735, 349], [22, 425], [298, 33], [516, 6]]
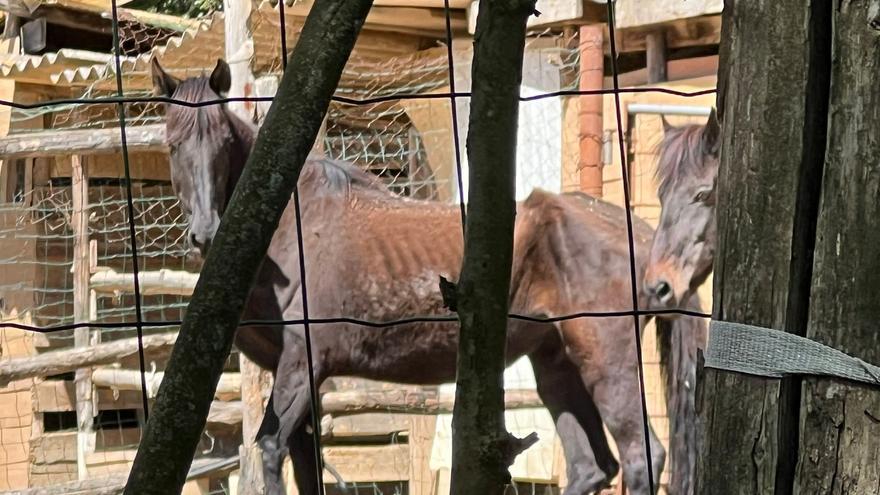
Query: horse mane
[[214, 121], [217, 123], [321, 173], [681, 152]]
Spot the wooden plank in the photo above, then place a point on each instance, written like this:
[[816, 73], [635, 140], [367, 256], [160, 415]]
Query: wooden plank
[[83, 337], [56, 362], [369, 463], [53, 143], [764, 254], [838, 437]]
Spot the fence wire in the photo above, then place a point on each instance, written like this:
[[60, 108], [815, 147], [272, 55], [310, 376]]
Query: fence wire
[[138, 225]]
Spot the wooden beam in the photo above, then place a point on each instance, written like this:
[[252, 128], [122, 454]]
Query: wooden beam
[[83, 141], [682, 33], [172, 282], [228, 388], [412, 400], [83, 337], [56, 362], [656, 55]]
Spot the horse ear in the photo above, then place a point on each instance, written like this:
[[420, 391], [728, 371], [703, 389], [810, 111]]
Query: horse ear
[[666, 125], [221, 78], [712, 134], [164, 84]]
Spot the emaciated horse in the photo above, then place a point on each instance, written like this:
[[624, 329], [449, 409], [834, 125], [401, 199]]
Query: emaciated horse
[[373, 255]]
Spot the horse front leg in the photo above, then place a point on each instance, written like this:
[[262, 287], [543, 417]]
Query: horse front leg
[[287, 420], [590, 464]]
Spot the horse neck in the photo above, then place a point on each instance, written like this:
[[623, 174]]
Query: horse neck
[[243, 137]]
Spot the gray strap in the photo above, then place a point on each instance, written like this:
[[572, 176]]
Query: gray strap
[[772, 353]]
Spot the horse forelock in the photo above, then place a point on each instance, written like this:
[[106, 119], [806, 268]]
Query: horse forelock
[[681, 153], [214, 122]]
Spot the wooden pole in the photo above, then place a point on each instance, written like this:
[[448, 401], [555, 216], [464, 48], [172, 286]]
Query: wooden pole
[[239, 47], [591, 115], [655, 42], [83, 337], [768, 195], [839, 437], [246, 230], [482, 449]]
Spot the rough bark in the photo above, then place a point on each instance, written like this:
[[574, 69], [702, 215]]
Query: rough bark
[[173, 430], [482, 449], [840, 429], [774, 101]]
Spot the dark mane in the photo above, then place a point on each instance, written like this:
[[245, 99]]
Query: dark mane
[[212, 121], [681, 152]]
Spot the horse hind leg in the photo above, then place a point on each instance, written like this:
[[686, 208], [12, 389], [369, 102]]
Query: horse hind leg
[[590, 465], [618, 400]]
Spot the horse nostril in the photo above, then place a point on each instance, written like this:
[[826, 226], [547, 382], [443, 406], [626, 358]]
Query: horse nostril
[[663, 291]]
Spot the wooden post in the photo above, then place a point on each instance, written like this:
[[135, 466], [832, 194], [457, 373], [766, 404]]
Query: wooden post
[[591, 120], [421, 439], [655, 42], [255, 386], [839, 442], [239, 54], [83, 337], [482, 448], [768, 194]]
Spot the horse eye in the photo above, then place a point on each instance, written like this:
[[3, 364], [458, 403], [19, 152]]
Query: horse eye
[[702, 195]]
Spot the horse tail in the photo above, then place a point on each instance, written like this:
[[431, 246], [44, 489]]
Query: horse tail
[[678, 341]]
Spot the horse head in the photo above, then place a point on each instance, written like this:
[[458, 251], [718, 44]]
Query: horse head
[[208, 145], [683, 249]]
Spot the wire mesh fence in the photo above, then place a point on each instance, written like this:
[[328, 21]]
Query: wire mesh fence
[[405, 140]]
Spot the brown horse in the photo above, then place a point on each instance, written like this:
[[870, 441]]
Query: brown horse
[[373, 255]]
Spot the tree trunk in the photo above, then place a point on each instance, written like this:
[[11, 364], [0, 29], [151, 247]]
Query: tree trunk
[[773, 99], [184, 398], [840, 430], [482, 449]]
